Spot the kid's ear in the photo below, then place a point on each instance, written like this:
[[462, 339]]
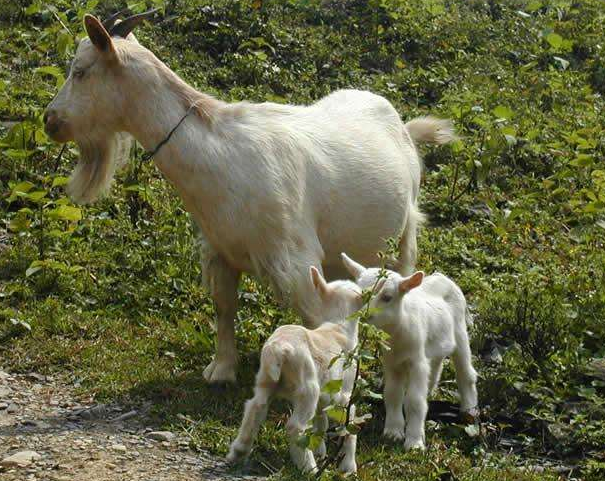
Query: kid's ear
[[410, 282], [318, 281], [98, 35]]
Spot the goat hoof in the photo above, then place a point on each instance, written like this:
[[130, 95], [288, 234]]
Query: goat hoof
[[470, 416], [394, 433], [237, 454], [413, 444], [219, 372], [347, 466]]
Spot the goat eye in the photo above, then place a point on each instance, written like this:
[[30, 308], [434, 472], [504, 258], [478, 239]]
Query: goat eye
[[386, 298], [78, 74]]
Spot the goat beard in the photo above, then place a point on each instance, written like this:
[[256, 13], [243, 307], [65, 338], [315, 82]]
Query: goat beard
[[99, 160]]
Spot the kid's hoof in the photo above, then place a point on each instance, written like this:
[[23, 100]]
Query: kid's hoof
[[413, 444], [347, 466], [394, 433]]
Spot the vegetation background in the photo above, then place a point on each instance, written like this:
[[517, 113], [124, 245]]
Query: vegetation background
[[111, 293]]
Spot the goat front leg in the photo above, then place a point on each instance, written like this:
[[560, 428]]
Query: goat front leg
[[305, 404], [416, 405], [394, 385], [222, 281], [348, 464]]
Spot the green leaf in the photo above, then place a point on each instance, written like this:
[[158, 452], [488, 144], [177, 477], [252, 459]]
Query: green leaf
[[314, 441], [66, 212], [59, 181], [53, 71], [332, 387], [336, 413], [503, 112], [35, 196], [554, 40]]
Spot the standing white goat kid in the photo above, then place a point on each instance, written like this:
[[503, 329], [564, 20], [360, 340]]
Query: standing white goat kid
[[274, 188], [426, 318], [295, 365]]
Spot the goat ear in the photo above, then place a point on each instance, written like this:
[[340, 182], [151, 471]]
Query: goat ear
[[410, 282], [318, 281], [98, 35], [354, 268]]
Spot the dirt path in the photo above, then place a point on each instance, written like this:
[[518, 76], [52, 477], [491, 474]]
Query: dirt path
[[47, 432]]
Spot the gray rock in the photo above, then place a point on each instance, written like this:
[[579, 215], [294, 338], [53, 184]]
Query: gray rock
[[12, 408], [161, 435], [120, 448], [126, 416], [5, 391], [20, 459], [96, 412]]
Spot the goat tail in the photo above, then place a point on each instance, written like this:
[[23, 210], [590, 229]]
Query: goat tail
[[271, 361], [431, 130], [468, 317]]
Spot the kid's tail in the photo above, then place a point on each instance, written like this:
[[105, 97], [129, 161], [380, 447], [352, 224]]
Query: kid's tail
[[431, 130]]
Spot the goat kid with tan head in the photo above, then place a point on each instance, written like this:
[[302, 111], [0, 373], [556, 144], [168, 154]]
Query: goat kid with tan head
[[273, 188], [295, 365], [426, 319]]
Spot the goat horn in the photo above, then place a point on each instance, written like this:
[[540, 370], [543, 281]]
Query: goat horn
[[123, 28], [110, 22]]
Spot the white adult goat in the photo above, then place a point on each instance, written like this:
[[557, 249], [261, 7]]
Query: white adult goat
[[295, 365], [426, 319], [273, 188]]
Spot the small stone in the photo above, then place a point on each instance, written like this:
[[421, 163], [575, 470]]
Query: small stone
[[36, 377], [125, 416], [12, 408], [118, 447], [111, 466], [161, 435], [3, 406], [5, 391], [20, 459]]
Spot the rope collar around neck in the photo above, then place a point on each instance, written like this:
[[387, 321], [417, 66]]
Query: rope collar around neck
[[149, 155]]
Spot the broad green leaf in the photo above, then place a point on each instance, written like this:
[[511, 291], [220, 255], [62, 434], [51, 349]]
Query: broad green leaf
[[55, 72], [554, 40], [66, 212], [35, 196], [314, 441], [337, 413], [503, 112], [332, 387], [59, 181]]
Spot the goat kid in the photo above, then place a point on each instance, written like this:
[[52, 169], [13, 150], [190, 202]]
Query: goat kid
[[295, 365], [426, 318]]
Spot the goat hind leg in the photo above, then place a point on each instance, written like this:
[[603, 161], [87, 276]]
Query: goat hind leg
[[466, 378], [305, 405], [255, 413]]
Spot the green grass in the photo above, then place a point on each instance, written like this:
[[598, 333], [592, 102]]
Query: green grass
[[516, 215]]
